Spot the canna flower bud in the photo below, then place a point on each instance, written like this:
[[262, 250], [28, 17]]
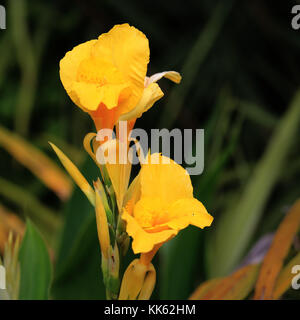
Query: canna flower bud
[[138, 281], [102, 225], [75, 174]]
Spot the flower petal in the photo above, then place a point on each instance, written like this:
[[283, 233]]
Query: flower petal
[[69, 65], [114, 156], [91, 95], [128, 49], [150, 95], [144, 241], [166, 179], [133, 193], [188, 211], [171, 75]]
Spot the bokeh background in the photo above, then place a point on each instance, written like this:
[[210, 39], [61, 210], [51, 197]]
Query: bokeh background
[[240, 66]]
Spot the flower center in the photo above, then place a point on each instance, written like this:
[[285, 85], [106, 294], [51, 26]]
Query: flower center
[[150, 212]]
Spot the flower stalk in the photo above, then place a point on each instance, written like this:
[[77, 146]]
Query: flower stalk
[[108, 244]]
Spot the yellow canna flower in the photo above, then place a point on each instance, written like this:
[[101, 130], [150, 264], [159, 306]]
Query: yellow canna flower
[[106, 77], [161, 205]]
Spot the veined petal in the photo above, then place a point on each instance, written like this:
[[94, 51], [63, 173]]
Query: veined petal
[[150, 212], [150, 95], [90, 95], [69, 65], [188, 211], [166, 179], [128, 49], [144, 241], [171, 75]]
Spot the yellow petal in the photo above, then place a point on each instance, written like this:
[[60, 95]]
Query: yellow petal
[[171, 75], [144, 241], [168, 181], [69, 66], [150, 212], [188, 211], [118, 167], [150, 95], [128, 49], [102, 225], [87, 145], [91, 95], [133, 193]]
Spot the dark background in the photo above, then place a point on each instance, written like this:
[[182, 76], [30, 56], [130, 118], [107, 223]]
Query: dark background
[[240, 66]]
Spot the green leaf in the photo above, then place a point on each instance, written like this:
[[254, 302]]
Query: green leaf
[[235, 228], [178, 267], [77, 273], [35, 266]]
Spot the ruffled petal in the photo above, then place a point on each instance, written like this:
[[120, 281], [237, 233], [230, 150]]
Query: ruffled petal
[[144, 241], [69, 66], [188, 211], [150, 95], [166, 179], [128, 49], [91, 95]]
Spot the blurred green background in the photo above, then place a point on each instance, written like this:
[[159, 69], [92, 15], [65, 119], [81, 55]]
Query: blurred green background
[[240, 66]]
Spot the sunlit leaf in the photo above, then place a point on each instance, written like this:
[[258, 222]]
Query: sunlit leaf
[[44, 218], [37, 162], [9, 222], [284, 280], [279, 249], [75, 174], [205, 287], [234, 287]]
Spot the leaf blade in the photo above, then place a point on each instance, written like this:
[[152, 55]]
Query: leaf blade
[[274, 259], [35, 266]]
